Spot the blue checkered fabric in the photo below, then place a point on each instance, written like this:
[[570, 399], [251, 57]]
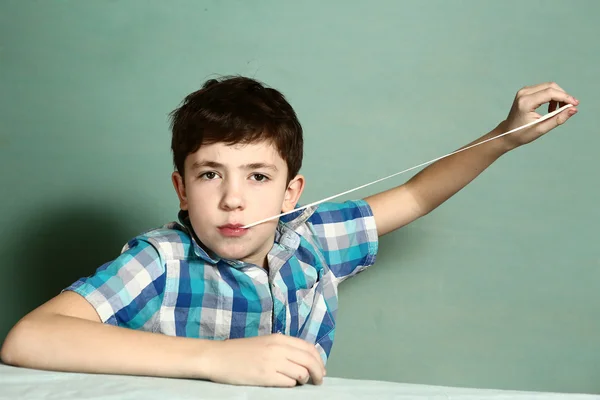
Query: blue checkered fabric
[[163, 281]]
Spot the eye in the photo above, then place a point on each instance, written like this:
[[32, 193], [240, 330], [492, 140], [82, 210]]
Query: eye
[[209, 176], [260, 177]]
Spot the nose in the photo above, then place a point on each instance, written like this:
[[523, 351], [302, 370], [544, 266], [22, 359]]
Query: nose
[[231, 198]]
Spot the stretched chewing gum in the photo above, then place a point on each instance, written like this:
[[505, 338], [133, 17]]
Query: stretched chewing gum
[[537, 121]]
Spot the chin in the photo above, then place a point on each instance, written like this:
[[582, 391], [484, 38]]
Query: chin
[[233, 252]]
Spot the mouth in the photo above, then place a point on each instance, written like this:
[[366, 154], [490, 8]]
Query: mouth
[[232, 230]]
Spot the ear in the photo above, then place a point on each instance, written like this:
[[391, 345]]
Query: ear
[[179, 185], [293, 193]]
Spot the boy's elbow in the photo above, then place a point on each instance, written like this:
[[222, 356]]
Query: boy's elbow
[[13, 351], [7, 352]]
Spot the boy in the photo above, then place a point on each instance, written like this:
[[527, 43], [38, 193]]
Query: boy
[[205, 298]]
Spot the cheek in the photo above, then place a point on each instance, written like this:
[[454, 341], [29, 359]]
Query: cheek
[[200, 198], [271, 201]]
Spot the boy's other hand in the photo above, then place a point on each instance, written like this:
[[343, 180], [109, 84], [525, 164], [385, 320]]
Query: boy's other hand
[[273, 360], [522, 112]]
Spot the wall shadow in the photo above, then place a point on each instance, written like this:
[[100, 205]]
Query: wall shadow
[[52, 249]]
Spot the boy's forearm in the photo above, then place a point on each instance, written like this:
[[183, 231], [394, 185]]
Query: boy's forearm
[[63, 343], [444, 178]]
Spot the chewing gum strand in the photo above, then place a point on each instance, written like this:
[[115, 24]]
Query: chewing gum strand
[[537, 121]]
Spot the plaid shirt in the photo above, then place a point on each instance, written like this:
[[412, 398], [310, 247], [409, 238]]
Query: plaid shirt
[[163, 281]]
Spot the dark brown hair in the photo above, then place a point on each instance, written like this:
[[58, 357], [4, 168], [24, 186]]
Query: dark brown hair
[[236, 110]]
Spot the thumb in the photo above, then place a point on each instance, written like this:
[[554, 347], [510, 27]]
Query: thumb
[[557, 120]]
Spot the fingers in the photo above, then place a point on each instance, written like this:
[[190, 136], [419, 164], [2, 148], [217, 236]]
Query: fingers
[[557, 120], [315, 353], [305, 346], [536, 88], [531, 101], [303, 354], [295, 372], [528, 90], [282, 380], [306, 360]]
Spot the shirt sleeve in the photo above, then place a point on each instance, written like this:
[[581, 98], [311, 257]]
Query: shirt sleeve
[[129, 290], [348, 236]]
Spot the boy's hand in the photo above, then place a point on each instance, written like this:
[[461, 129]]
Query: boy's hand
[[527, 100], [273, 360]]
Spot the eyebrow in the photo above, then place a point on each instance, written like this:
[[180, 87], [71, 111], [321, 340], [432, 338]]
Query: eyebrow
[[251, 166]]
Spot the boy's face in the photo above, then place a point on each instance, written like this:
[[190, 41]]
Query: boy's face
[[229, 186]]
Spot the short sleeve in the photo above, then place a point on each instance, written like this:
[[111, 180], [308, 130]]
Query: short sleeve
[[348, 236], [129, 290]]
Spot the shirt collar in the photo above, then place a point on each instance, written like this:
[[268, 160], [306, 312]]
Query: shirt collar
[[199, 251]]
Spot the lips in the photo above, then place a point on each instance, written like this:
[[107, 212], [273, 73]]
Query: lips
[[232, 230]]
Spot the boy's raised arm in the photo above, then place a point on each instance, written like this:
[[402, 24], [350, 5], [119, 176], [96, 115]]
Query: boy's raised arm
[[438, 182], [65, 334]]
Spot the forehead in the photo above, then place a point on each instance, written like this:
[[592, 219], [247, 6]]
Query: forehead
[[237, 154]]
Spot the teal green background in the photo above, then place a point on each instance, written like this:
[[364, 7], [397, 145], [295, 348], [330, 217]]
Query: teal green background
[[498, 288]]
